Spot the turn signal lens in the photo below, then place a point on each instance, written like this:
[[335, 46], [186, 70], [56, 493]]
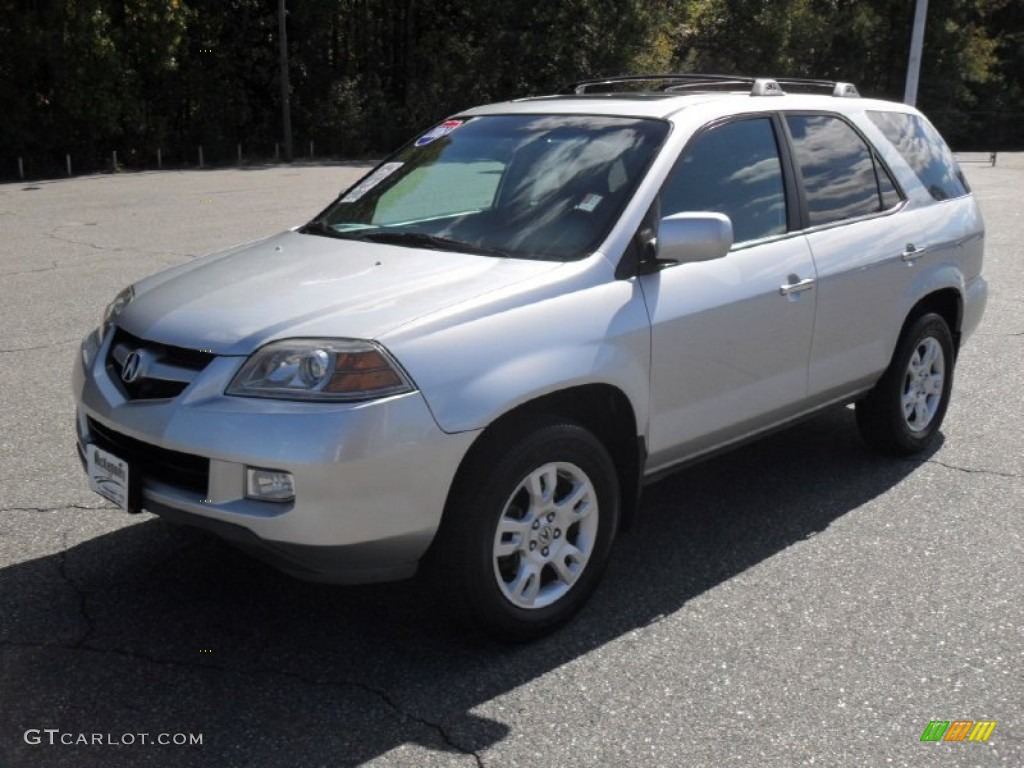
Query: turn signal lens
[[364, 372]]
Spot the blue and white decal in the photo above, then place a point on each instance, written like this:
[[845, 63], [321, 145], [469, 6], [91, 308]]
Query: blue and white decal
[[438, 131]]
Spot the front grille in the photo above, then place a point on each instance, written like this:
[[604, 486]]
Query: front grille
[[165, 370], [180, 470]]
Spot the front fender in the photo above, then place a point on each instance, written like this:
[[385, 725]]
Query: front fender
[[479, 364]]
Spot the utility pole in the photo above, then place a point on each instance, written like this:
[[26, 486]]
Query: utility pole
[[286, 104], [916, 44]]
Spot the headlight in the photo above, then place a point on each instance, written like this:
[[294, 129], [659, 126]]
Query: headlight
[[320, 369], [114, 308]]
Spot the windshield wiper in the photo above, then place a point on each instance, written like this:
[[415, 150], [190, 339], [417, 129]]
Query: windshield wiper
[[423, 240], [322, 228]]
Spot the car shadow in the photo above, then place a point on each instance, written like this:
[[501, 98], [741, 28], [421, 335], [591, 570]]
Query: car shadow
[[154, 628]]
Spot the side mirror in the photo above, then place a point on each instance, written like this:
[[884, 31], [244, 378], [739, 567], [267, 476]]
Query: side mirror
[[687, 237]]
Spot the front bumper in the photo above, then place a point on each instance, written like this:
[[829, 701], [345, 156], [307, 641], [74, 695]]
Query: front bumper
[[371, 479]]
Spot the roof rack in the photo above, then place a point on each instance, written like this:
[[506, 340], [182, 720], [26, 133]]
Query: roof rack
[[678, 82]]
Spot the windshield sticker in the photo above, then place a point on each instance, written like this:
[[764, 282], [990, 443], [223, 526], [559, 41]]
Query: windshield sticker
[[589, 202], [370, 182], [437, 132]]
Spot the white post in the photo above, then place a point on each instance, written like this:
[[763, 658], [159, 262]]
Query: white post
[[286, 105], [21, 169], [200, 155], [159, 160], [115, 161], [67, 158], [916, 44]]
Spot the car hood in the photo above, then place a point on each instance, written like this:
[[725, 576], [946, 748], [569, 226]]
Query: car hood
[[294, 285]]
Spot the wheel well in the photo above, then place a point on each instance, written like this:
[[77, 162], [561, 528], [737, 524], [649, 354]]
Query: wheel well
[[602, 409], [948, 304]]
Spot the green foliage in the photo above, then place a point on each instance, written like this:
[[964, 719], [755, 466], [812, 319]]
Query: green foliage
[[91, 76]]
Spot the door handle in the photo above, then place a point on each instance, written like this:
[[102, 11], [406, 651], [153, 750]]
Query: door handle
[[912, 252], [798, 287]]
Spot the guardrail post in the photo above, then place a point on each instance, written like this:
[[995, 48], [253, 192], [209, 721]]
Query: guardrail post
[[67, 159], [21, 169], [159, 160], [200, 155], [114, 169], [310, 147], [239, 154]]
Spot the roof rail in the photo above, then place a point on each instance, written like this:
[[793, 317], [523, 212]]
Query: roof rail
[[683, 81], [837, 87], [668, 81]]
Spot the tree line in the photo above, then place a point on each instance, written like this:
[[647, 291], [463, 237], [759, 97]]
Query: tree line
[[88, 77]]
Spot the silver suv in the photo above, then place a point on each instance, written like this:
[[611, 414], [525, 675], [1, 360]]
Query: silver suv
[[474, 357]]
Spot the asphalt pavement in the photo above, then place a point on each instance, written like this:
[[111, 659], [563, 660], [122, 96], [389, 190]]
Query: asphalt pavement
[[796, 602]]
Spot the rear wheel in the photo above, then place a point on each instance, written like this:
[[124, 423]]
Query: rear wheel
[[905, 409], [529, 530]]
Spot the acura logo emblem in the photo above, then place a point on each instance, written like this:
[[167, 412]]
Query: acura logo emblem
[[132, 367]]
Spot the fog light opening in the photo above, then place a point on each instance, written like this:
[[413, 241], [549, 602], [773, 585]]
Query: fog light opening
[[269, 484]]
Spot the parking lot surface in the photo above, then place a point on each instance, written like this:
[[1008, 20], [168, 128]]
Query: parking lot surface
[[796, 602]]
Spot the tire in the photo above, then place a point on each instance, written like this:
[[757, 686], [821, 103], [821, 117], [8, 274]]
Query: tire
[[904, 411], [528, 531]]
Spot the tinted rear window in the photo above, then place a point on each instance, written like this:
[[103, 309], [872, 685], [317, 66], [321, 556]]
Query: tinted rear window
[[925, 151], [837, 169]]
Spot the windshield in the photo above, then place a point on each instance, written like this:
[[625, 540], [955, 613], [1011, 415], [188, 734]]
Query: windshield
[[530, 186]]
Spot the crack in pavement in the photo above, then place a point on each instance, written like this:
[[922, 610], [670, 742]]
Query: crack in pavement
[[384, 696], [58, 343], [970, 470], [82, 242], [111, 248], [81, 644], [378, 693], [30, 271], [83, 595], [55, 508]]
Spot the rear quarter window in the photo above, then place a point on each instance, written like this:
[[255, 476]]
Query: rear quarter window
[[925, 152]]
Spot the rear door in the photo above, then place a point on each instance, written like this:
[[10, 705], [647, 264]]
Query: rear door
[[858, 232], [731, 337]]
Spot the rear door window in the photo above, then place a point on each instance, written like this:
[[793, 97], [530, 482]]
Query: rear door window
[[925, 151], [840, 175]]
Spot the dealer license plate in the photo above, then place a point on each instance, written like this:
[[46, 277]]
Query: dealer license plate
[[108, 475]]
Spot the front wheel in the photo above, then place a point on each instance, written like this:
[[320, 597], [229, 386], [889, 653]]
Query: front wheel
[[905, 409], [529, 530]]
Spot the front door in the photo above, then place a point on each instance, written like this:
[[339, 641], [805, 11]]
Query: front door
[[731, 337]]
